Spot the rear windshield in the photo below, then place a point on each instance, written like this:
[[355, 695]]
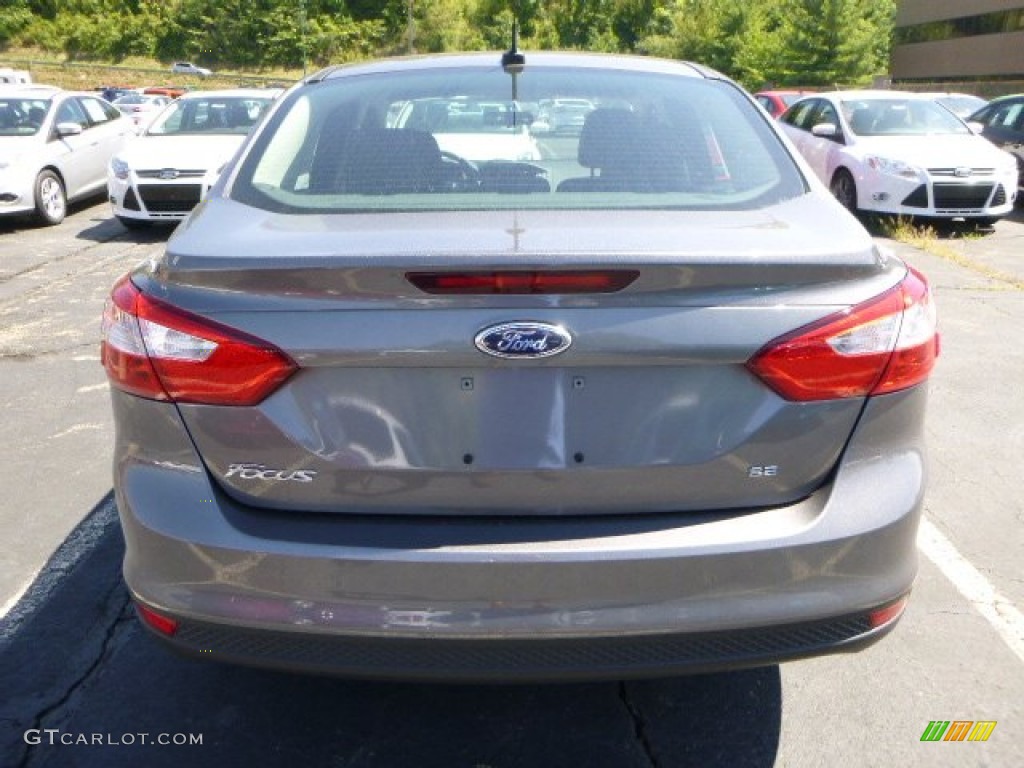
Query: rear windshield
[[475, 138]]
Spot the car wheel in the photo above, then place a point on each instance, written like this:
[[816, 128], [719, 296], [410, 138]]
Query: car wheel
[[51, 202], [133, 223], [845, 190]]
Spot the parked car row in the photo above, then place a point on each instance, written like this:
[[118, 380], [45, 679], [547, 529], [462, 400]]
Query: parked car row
[[962, 105], [114, 92], [865, 145], [59, 146], [141, 104], [902, 153]]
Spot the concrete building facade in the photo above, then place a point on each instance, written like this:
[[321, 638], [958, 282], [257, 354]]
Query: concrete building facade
[[959, 40]]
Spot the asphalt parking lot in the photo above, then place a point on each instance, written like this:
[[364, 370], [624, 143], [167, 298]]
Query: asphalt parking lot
[[84, 687]]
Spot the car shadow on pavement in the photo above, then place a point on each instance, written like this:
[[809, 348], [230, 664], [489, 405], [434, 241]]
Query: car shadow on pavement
[[104, 228], [108, 228], [15, 223], [84, 685]]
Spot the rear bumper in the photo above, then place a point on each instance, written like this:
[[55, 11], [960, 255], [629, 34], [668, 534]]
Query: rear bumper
[[507, 598], [516, 659]]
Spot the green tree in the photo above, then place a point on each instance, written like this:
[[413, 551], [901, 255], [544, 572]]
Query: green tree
[[825, 42], [756, 60], [46, 9], [494, 18], [183, 35], [783, 41], [336, 40], [579, 24], [631, 20], [445, 25], [14, 17], [709, 32]]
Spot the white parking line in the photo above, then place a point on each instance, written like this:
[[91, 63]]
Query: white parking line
[[77, 428], [1000, 612]]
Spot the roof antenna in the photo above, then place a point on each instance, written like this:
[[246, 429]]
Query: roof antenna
[[512, 61]]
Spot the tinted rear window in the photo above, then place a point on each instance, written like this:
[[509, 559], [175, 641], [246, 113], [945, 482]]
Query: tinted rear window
[[472, 139]]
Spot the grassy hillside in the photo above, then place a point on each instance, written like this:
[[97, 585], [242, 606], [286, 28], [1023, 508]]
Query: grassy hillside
[[134, 72]]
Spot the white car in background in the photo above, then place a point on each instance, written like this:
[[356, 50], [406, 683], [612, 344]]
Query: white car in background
[[188, 68], [901, 153], [562, 116], [54, 148], [141, 108], [477, 131], [162, 174]]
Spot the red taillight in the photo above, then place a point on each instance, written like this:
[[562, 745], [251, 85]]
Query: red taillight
[[523, 281], [154, 350], [162, 624], [884, 345]]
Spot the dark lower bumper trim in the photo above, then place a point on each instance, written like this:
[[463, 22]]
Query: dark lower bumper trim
[[446, 659]]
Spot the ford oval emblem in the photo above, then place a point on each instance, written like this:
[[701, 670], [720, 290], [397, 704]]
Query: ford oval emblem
[[523, 340]]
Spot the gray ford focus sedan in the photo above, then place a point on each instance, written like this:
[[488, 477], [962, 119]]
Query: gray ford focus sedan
[[423, 391]]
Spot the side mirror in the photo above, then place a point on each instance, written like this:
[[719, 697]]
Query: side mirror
[[825, 130], [69, 129], [976, 127]]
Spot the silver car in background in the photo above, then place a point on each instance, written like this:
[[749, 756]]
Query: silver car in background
[[54, 148], [649, 404]]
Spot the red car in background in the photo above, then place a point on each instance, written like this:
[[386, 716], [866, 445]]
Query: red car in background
[[777, 102], [170, 91]]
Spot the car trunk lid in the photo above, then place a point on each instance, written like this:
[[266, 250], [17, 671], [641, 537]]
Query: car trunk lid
[[395, 409]]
